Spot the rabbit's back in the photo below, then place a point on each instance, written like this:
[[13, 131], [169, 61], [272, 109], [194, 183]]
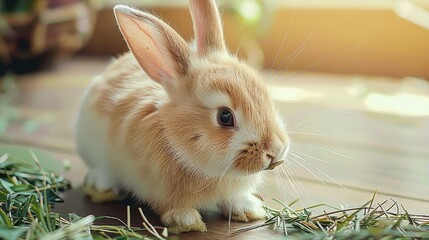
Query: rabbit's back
[[123, 87], [112, 105]]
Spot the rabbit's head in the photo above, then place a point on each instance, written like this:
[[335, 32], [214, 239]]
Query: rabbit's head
[[220, 119]]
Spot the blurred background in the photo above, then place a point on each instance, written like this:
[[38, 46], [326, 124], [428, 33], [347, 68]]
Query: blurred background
[[350, 78]]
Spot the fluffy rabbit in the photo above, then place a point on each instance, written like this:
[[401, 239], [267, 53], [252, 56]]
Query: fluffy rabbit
[[181, 129]]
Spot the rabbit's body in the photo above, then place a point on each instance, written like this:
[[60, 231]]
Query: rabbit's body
[[181, 129], [125, 133]]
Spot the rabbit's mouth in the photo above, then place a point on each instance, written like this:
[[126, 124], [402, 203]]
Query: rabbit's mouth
[[273, 164], [277, 161], [255, 158]]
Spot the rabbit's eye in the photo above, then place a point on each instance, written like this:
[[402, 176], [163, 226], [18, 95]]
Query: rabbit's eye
[[225, 118]]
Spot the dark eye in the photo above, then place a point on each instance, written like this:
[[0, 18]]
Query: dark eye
[[225, 118]]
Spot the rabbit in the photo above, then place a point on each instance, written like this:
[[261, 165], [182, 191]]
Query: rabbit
[[182, 129]]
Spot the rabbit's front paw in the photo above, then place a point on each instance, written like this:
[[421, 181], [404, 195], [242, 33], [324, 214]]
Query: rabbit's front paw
[[101, 187], [244, 209], [183, 220]]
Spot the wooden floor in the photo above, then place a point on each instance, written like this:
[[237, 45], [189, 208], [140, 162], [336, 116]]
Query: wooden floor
[[350, 148]]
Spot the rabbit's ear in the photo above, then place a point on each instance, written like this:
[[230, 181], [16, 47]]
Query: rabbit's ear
[[207, 26], [160, 51]]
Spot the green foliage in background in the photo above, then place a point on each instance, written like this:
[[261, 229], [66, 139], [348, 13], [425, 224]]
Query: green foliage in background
[[9, 114], [16, 6], [8, 90]]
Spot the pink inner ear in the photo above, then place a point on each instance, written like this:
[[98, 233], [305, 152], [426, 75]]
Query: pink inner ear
[[146, 44], [200, 33], [146, 32]]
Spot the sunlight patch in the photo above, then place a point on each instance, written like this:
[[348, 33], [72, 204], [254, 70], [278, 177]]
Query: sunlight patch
[[404, 104]]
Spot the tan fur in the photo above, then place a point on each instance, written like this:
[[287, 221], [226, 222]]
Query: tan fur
[[162, 136]]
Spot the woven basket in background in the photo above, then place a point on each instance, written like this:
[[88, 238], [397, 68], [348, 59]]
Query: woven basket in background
[[34, 32]]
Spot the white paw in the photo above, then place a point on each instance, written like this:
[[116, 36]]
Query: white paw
[[244, 209], [101, 181], [183, 220], [102, 187]]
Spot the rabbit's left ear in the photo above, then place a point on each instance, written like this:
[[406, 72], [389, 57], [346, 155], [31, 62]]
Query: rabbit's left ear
[[160, 51]]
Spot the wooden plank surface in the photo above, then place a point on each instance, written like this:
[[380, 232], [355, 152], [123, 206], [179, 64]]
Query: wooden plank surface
[[356, 151]]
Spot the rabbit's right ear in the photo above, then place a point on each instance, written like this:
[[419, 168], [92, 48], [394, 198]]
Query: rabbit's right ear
[[207, 26], [160, 51]]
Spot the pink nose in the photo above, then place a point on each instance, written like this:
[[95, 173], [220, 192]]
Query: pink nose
[[276, 161]]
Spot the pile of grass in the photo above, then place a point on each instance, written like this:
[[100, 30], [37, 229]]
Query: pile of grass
[[385, 220], [30, 187]]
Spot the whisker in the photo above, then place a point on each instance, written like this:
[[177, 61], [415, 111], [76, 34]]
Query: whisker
[[309, 164], [331, 151], [311, 134], [302, 44], [293, 55], [286, 174], [281, 176], [312, 157], [279, 181], [281, 45], [297, 187], [231, 201], [284, 171], [238, 49], [323, 173], [305, 167], [293, 169], [204, 187], [306, 70], [308, 123], [222, 175]]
